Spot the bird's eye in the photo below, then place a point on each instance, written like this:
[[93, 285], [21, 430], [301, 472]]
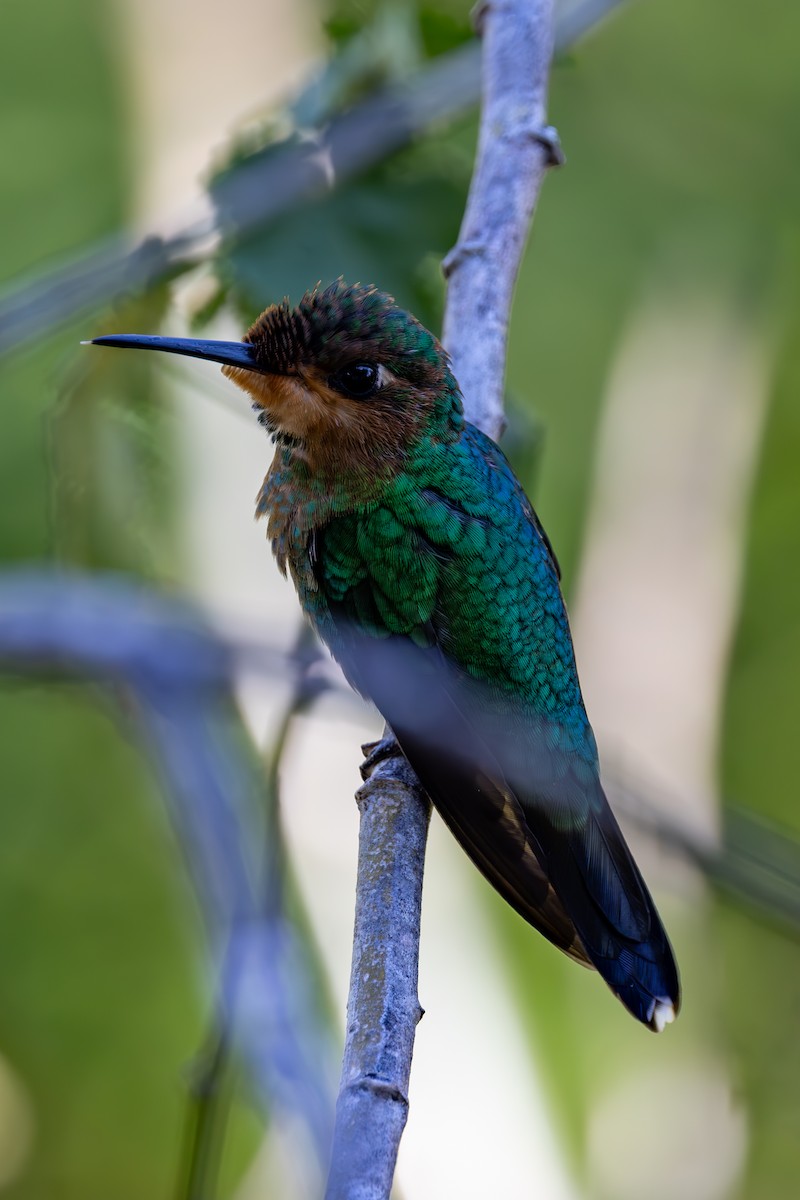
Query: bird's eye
[[359, 380]]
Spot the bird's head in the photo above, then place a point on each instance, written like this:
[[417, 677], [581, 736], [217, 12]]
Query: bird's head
[[347, 377]]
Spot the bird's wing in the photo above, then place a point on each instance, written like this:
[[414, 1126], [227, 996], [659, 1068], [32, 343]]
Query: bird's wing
[[444, 627], [388, 649]]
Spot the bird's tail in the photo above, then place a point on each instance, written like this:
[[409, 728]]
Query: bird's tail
[[601, 889], [575, 881]]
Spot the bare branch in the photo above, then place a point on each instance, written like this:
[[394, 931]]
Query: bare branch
[[383, 1008], [514, 147]]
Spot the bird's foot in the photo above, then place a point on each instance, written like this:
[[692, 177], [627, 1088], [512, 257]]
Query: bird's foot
[[378, 752]]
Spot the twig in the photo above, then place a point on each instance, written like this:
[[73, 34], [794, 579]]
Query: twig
[[383, 1008], [273, 184], [176, 676]]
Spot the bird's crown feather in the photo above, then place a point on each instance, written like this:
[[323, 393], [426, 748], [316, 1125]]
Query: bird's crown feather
[[331, 323]]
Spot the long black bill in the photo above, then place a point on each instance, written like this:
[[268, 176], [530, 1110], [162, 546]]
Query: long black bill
[[232, 354]]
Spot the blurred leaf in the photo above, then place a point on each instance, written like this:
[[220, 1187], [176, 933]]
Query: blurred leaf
[[760, 768], [100, 1004], [62, 181], [111, 455], [383, 50], [761, 751], [381, 227], [375, 228]]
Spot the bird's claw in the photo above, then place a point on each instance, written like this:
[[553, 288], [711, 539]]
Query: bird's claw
[[378, 752]]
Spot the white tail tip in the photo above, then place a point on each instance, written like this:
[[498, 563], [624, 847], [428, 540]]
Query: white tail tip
[[663, 1015]]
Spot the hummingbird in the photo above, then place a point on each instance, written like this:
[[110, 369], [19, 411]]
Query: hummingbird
[[423, 566]]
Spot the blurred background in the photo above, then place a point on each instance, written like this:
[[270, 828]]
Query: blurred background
[[653, 382]]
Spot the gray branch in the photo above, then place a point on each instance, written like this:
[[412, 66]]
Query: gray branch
[[175, 676], [513, 151], [383, 1008]]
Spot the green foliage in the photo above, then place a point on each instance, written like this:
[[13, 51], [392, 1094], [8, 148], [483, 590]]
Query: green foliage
[[760, 766], [98, 1008], [403, 214], [432, 28], [761, 750], [62, 182]]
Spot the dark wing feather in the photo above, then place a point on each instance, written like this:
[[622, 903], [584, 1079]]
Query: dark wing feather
[[593, 872]]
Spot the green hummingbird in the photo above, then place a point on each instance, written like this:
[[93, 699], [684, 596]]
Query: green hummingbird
[[422, 565]]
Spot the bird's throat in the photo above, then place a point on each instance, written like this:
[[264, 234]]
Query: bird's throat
[[292, 407], [340, 441]]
